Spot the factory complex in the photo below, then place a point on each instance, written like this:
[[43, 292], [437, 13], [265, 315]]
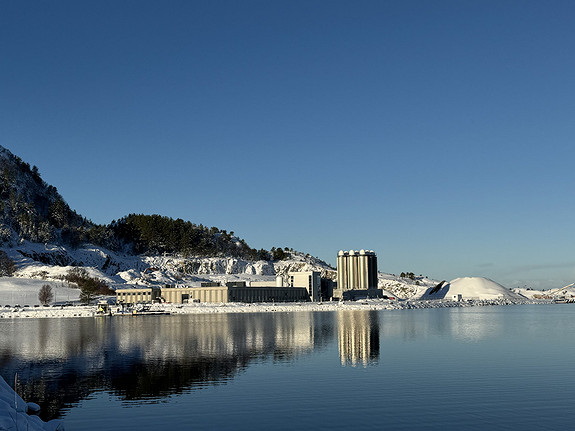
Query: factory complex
[[356, 278]]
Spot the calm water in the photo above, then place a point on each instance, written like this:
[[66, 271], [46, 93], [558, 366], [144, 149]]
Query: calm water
[[473, 368]]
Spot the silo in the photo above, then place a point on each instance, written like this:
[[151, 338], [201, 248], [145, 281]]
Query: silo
[[363, 277], [372, 271], [340, 266], [353, 269], [343, 270]]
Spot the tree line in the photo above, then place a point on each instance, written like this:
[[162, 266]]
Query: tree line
[[35, 211]]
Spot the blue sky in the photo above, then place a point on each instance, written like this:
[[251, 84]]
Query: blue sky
[[437, 133]]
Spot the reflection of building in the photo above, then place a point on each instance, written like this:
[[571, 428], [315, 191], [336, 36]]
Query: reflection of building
[[171, 355], [311, 280], [356, 271], [358, 336]]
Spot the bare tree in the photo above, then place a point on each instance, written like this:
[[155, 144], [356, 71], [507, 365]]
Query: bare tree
[[46, 294]]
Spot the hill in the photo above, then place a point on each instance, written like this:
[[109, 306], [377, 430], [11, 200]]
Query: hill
[[31, 210], [42, 238], [471, 288]]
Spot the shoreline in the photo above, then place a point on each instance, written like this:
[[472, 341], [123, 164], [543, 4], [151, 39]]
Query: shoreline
[[16, 414], [289, 307]]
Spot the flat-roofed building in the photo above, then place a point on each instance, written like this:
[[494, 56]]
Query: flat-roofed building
[[137, 295], [234, 293], [183, 295], [311, 280], [213, 293], [268, 294]]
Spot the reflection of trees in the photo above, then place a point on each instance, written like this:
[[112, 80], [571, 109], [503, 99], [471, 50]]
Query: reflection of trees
[[358, 335], [62, 361]]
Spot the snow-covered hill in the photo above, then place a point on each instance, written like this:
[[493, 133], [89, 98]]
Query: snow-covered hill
[[405, 287], [471, 288], [46, 263], [52, 262], [567, 292]]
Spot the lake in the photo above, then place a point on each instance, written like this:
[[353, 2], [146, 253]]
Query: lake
[[500, 367]]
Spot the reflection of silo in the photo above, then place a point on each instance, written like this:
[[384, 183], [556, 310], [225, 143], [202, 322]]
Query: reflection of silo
[[358, 337]]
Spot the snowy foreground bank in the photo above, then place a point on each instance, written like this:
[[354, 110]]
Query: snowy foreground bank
[[369, 304], [16, 414]]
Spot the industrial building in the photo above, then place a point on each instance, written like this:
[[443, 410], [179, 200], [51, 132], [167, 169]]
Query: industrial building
[[137, 295], [214, 292], [356, 274], [311, 280]]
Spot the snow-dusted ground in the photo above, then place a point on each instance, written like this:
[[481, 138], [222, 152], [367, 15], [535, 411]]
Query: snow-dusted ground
[[367, 304], [52, 262], [14, 413], [24, 291]]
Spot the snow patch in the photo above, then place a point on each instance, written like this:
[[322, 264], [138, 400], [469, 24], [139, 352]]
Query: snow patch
[[14, 413]]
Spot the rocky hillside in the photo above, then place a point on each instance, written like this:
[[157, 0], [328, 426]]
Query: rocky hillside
[[52, 262]]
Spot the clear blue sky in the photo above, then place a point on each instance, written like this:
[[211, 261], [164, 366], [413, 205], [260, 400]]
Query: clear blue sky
[[438, 133]]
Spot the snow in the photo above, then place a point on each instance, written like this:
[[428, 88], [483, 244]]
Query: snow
[[479, 288], [238, 307], [52, 262], [402, 287], [14, 413], [24, 291], [476, 288]]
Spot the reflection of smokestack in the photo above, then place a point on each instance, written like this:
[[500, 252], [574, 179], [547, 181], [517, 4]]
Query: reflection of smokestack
[[358, 336]]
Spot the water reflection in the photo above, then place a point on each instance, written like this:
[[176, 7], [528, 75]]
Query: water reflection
[[61, 361], [465, 324], [146, 359], [358, 337], [475, 325]]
